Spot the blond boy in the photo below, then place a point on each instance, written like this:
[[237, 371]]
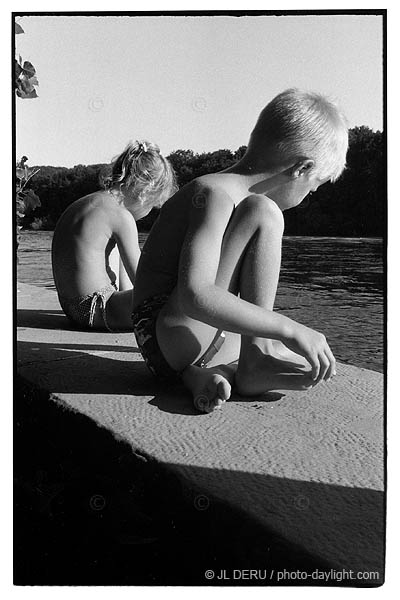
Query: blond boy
[[206, 282]]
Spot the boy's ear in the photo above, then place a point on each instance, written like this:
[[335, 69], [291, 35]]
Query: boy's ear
[[302, 167]]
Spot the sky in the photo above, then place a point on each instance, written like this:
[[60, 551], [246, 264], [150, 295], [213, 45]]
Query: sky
[[184, 82]]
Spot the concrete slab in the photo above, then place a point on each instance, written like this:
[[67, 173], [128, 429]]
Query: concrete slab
[[307, 467]]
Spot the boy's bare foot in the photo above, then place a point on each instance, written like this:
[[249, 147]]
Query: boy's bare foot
[[210, 387], [267, 373]]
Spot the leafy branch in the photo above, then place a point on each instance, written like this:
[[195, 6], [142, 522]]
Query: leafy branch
[[25, 81], [26, 199], [25, 78]]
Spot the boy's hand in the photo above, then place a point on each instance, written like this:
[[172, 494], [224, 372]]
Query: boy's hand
[[315, 349]]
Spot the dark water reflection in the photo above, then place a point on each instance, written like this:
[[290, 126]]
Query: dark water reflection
[[334, 285], [334, 263]]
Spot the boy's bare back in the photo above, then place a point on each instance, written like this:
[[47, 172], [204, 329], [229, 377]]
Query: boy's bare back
[[159, 265]]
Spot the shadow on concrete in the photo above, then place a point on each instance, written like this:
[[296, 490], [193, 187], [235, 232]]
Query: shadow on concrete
[[177, 402], [89, 511], [266, 397], [173, 403], [59, 350], [75, 369], [50, 319], [43, 319]]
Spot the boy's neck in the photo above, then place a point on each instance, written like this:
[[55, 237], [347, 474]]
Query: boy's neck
[[255, 179]]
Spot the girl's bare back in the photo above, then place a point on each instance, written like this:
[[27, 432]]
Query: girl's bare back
[[94, 282], [82, 243]]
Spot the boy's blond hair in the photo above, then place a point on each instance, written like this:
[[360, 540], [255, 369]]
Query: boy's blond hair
[[297, 124]]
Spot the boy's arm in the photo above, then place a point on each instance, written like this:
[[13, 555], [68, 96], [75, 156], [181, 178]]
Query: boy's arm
[[203, 300], [126, 236]]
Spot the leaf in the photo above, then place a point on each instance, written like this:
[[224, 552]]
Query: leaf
[[29, 69], [25, 80], [32, 94], [31, 201], [22, 94], [24, 84], [18, 28]]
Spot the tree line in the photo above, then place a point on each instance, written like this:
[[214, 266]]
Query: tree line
[[353, 206]]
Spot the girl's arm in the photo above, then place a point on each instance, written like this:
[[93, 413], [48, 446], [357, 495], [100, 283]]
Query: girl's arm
[[126, 236], [124, 283]]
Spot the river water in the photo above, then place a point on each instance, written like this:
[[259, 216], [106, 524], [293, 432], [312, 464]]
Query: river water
[[335, 285]]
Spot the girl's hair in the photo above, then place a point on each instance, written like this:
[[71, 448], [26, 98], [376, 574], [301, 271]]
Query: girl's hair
[[142, 174], [299, 124]]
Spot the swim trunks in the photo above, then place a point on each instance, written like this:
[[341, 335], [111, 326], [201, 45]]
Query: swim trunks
[[144, 319], [81, 310]]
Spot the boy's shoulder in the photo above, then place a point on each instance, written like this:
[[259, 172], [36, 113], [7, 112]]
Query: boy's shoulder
[[210, 181], [209, 191], [214, 185], [224, 189]]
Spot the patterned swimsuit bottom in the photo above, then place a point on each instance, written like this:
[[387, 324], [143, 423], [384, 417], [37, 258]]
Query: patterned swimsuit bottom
[[144, 319], [81, 310]]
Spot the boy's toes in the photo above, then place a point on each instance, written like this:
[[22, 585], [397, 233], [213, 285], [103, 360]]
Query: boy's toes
[[217, 403], [223, 390], [214, 394]]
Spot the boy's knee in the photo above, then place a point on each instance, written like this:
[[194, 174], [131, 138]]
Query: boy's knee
[[262, 211]]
